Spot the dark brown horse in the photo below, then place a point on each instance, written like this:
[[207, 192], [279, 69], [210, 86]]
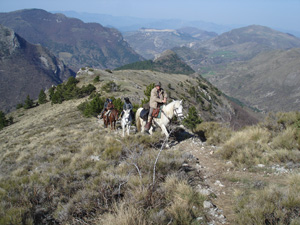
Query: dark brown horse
[[111, 118]]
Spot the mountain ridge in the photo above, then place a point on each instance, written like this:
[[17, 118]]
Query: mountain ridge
[[77, 43], [26, 69]]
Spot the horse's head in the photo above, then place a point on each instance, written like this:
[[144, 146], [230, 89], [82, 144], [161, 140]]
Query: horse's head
[[178, 109], [126, 115]]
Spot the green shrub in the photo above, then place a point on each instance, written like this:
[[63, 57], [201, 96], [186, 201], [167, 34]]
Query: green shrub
[[192, 119], [96, 79], [19, 106], [92, 108], [118, 103], [111, 86], [69, 90]]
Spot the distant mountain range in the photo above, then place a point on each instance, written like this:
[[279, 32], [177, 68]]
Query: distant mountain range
[[151, 42], [126, 23], [270, 81], [236, 45], [25, 69], [77, 43], [250, 64]]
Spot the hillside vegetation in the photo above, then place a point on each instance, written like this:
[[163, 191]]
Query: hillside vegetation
[[60, 167], [167, 62]]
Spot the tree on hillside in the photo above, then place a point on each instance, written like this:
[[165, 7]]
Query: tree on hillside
[[28, 103], [192, 118], [3, 120], [51, 92], [42, 97]]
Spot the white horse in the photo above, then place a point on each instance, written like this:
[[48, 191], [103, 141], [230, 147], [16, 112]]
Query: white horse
[[126, 121], [168, 112]]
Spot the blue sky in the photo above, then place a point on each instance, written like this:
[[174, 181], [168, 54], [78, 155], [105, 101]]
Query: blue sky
[[274, 13]]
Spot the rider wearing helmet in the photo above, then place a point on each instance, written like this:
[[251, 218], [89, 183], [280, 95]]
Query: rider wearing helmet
[[158, 97]]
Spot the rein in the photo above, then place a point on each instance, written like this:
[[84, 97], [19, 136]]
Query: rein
[[175, 112]]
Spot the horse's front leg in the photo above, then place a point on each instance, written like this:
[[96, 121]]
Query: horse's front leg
[[123, 130], [165, 131], [128, 129]]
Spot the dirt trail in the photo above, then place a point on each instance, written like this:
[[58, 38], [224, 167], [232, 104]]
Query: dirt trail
[[222, 178]]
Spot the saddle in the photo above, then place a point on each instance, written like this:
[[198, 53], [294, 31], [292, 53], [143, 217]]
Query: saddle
[[144, 114], [107, 113], [155, 112]]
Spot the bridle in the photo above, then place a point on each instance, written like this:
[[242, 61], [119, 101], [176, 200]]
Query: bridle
[[178, 114]]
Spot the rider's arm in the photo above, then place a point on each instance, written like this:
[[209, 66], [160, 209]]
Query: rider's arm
[[154, 96]]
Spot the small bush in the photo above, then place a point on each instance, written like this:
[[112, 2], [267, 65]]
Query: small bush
[[287, 139], [213, 132], [92, 108], [19, 106], [96, 79], [111, 86], [246, 147]]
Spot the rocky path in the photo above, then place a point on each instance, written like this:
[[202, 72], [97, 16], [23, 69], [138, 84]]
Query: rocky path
[[221, 179]]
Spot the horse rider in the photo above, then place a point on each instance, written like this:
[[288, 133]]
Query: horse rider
[[127, 105], [104, 108], [109, 107], [157, 98]]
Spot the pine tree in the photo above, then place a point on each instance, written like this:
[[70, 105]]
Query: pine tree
[[192, 118], [3, 120], [42, 97], [51, 92], [28, 103]]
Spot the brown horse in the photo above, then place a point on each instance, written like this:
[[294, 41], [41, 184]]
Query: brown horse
[[111, 118]]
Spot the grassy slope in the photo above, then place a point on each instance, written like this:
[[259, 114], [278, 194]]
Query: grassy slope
[[48, 167]]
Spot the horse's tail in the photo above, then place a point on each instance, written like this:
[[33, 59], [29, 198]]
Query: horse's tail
[[137, 119]]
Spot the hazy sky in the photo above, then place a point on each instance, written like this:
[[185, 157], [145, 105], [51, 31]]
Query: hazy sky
[[274, 13]]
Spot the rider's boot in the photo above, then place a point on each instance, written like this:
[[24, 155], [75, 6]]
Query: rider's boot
[[148, 124]]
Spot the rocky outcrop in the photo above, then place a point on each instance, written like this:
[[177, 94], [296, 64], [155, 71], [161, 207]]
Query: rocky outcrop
[[26, 69]]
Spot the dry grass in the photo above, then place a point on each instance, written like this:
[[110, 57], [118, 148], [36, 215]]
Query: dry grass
[[59, 167], [274, 141], [272, 205]]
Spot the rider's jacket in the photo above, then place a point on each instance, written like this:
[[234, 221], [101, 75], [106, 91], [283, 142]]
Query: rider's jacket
[[127, 106], [157, 96]]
